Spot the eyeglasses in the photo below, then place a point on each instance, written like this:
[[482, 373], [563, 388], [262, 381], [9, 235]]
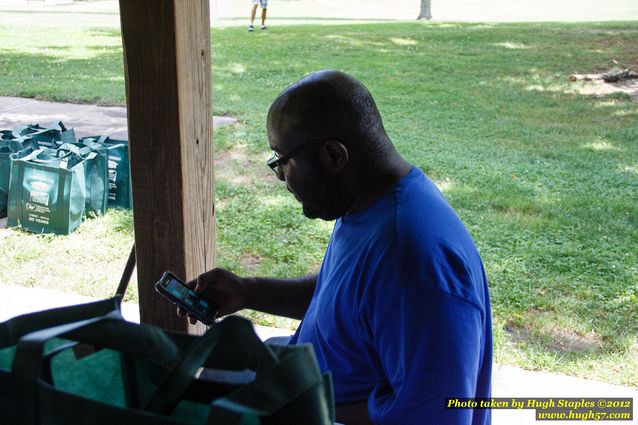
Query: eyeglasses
[[277, 161]]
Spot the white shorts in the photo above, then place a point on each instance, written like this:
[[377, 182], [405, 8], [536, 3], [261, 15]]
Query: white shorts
[[262, 3]]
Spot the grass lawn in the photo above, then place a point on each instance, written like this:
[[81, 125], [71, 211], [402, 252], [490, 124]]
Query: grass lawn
[[545, 178]]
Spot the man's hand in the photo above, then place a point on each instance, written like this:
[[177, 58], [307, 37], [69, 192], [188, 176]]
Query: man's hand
[[225, 290], [231, 293]]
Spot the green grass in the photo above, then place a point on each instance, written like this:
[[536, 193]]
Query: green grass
[[545, 178]]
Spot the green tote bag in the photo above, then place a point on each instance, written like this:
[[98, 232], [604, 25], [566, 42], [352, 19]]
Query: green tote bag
[[8, 147], [91, 371], [103, 371], [47, 191], [117, 153], [5, 174], [288, 387], [96, 176], [14, 329]]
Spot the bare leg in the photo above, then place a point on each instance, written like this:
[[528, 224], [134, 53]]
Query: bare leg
[[253, 12], [263, 16]]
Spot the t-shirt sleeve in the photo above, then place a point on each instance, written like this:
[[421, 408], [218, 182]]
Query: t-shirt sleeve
[[428, 344]]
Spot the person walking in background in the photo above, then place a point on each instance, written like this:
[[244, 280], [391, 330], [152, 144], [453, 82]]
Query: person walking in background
[[253, 12]]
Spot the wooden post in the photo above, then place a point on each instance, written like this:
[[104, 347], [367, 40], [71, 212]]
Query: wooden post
[[168, 93]]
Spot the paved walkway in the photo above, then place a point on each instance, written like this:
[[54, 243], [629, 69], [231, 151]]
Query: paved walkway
[[508, 382], [87, 120], [284, 12]]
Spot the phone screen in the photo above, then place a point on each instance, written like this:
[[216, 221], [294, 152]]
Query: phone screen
[[182, 292]]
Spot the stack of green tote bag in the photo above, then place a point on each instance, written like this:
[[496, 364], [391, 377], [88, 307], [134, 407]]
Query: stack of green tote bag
[[49, 180]]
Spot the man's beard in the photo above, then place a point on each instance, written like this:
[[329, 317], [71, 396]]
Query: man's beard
[[321, 196]]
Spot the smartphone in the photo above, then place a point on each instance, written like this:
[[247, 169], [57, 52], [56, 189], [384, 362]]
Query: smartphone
[[176, 291]]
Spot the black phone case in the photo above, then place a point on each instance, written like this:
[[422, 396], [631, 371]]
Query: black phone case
[[163, 292]]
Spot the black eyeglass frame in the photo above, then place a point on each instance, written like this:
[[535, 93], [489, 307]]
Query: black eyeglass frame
[[277, 161]]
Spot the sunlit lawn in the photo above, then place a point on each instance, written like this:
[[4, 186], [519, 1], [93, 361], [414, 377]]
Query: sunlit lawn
[[545, 178]]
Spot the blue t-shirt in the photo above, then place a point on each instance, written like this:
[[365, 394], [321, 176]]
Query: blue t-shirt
[[401, 313]]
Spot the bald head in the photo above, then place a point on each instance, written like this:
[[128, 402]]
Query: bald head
[[328, 104], [332, 150]]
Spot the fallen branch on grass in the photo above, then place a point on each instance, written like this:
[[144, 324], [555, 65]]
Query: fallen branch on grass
[[609, 77]]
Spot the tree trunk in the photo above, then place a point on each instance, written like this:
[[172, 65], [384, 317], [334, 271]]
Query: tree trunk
[[426, 10]]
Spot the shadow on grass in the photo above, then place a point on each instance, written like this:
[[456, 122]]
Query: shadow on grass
[[97, 79]]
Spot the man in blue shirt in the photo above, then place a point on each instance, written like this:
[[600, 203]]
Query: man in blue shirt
[[399, 312]]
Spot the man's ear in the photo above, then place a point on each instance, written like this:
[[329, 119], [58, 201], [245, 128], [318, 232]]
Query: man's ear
[[333, 156]]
